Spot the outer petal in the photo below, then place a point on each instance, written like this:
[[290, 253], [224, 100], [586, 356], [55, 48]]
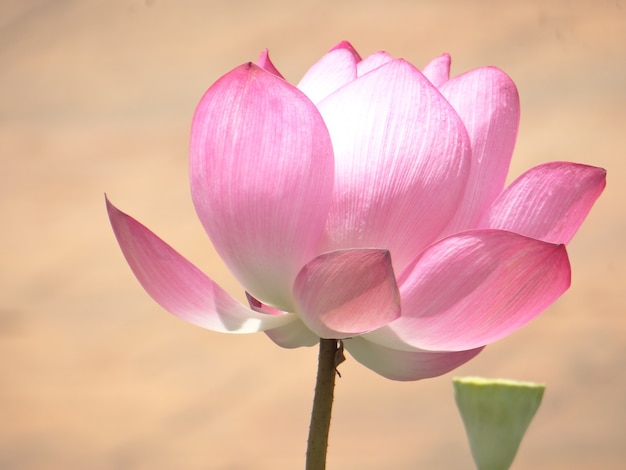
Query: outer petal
[[549, 201], [331, 72], [402, 159], [438, 70], [406, 365], [347, 292], [292, 335], [488, 102], [181, 288], [474, 288], [261, 178]]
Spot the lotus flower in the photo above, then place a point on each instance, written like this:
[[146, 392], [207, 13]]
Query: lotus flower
[[367, 204]]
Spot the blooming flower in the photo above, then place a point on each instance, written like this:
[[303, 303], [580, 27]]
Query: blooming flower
[[367, 204]]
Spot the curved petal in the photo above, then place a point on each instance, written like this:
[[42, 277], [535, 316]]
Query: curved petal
[[261, 170], [347, 292], [181, 288], [372, 62], [401, 162], [438, 70], [549, 201], [336, 68], [474, 288], [265, 63], [406, 365], [292, 335], [488, 102]]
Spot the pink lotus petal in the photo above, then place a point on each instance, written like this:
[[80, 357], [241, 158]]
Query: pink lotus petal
[[406, 365], [336, 68], [260, 307], [549, 201], [401, 162], [474, 288], [347, 46], [292, 335], [488, 102], [347, 292], [265, 63], [261, 172], [181, 288], [371, 62], [438, 70]]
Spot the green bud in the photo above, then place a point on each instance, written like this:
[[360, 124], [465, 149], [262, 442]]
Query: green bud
[[496, 414]]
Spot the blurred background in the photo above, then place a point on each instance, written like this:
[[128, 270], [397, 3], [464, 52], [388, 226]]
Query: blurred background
[[97, 96]]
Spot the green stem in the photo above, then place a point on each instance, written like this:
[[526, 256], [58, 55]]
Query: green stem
[[322, 404]]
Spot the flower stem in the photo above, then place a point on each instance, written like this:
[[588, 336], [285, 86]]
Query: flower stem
[[329, 357]]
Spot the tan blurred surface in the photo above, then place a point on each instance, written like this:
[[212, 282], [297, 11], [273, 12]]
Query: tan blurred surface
[[97, 96]]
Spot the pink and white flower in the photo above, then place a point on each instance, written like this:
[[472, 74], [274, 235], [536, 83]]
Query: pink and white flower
[[368, 204]]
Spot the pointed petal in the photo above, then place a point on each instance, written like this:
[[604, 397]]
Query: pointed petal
[[292, 335], [372, 62], [181, 288], [438, 70], [336, 68], [549, 201], [488, 102], [474, 288], [261, 178], [406, 365], [265, 63], [347, 46], [347, 292], [401, 162]]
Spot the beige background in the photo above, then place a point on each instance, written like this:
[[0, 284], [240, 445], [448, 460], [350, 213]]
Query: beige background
[[97, 96]]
